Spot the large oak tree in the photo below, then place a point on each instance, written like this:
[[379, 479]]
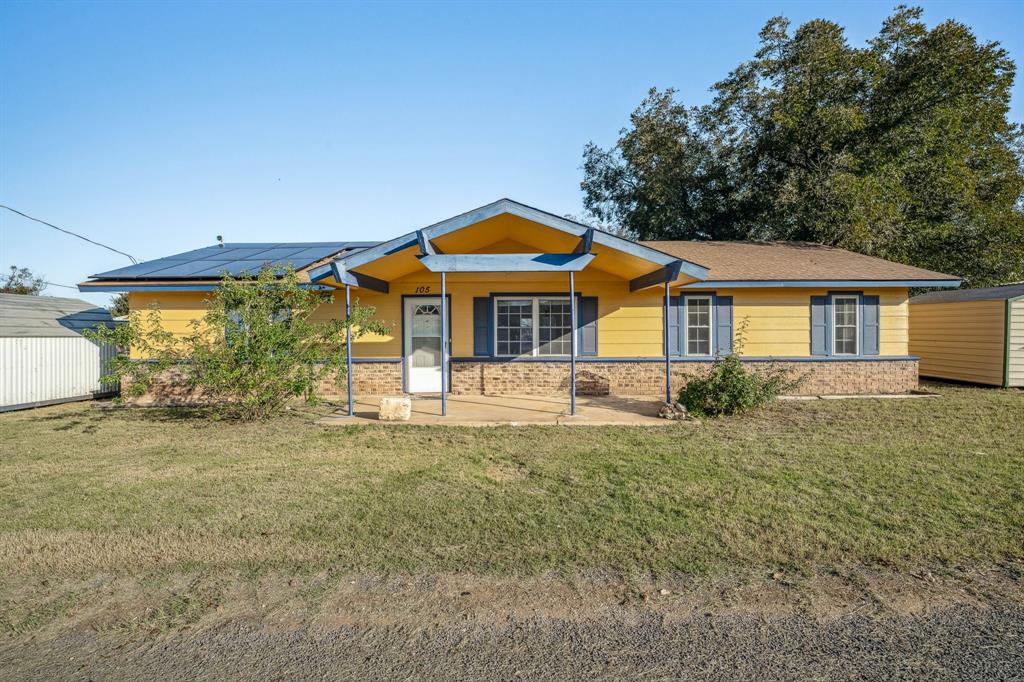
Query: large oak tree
[[901, 148]]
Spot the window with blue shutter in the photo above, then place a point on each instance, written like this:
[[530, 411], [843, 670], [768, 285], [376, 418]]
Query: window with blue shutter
[[870, 329], [482, 326], [845, 323], [723, 325], [484, 323], [587, 322], [675, 330], [819, 325]]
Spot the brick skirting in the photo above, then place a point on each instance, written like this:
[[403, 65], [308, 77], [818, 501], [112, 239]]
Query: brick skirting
[[622, 378], [368, 378], [648, 378]]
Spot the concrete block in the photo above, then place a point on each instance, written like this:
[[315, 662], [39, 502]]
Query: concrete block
[[395, 409]]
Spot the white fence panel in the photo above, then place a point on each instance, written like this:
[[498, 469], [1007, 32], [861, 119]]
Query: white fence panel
[[42, 369]]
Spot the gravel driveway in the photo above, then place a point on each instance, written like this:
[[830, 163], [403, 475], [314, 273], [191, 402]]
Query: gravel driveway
[[959, 642]]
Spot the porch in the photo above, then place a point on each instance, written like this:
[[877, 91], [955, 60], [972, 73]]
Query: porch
[[481, 410]]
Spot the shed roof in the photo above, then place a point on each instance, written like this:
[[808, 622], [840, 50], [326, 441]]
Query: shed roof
[[790, 261], [1000, 293], [211, 262], [23, 316]]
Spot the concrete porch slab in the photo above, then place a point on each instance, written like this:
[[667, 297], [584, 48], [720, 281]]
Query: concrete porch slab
[[478, 410]]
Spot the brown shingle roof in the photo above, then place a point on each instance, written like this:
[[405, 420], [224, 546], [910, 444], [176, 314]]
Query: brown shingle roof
[[775, 261]]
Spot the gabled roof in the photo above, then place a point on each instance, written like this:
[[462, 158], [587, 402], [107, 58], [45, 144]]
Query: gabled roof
[[212, 262], [795, 262], [24, 316], [1001, 293], [501, 206]]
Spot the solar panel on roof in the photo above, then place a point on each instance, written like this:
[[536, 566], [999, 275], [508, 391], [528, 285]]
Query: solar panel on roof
[[213, 261]]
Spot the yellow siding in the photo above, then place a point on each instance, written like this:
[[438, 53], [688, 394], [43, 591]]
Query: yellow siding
[[629, 324], [1016, 357], [961, 340], [177, 309]]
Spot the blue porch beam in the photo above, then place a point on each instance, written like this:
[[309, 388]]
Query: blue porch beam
[[427, 247], [507, 262], [586, 244], [668, 273], [349, 278]]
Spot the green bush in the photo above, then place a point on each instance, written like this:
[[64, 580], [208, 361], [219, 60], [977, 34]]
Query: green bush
[[259, 345], [731, 388]]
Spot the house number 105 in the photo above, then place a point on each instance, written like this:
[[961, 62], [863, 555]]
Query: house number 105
[[423, 290]]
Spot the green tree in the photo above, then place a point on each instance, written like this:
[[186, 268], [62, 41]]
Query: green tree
[[118, 305], [22, 281], [901, 149], [258, 347]]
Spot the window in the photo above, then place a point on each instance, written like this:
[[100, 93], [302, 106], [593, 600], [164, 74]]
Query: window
[[515, 327], [844, 324], [533, 326], [555, 322], [698, 325]]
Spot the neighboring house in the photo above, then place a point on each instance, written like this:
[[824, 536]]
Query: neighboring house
[[974, 335], [44, 359], [507, 270]]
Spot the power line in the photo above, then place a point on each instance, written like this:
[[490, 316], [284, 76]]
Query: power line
[[73, 234], [54, 284]]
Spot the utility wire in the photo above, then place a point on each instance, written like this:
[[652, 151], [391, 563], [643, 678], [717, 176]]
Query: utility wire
[[73, 234], [54, 284]]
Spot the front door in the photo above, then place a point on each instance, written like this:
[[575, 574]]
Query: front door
[[423, 345]]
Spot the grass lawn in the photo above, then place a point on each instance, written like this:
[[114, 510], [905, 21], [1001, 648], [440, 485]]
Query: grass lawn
[[801, 486]]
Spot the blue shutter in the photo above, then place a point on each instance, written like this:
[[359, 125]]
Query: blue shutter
[[482, 326], [819, 325], [723, 325], [587, 322], [675, 331], [869, 340]]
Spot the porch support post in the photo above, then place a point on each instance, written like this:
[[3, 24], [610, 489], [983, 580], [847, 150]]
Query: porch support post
[[348, 345], [572, 344], [444, 348], [668, 356]]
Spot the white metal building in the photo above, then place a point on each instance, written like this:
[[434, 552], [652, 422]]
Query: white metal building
[[44, 358]]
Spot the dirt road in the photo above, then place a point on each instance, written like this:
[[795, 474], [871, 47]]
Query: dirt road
[[472, 629]]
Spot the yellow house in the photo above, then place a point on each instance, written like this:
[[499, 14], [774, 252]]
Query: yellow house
[[485, 303]]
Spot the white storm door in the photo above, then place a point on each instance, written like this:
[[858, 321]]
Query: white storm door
[[423, 345]]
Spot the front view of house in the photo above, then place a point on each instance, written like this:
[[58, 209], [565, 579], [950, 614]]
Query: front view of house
[[485, 303]]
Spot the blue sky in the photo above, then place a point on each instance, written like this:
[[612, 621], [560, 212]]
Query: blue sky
[[155, 127]]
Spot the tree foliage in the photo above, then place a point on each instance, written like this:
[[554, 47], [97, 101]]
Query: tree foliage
[[22, 281], [901, 149], [259, 346], [118, 305]]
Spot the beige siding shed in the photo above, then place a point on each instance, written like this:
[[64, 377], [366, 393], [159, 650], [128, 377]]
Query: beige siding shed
[[974, 335]]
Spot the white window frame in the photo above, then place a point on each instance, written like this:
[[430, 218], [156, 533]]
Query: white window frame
[[856, 323], [535, 312], [686, 326]]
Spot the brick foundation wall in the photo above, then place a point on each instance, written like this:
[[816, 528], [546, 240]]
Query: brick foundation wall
[[648, 378], [368, 378], [592, 378]]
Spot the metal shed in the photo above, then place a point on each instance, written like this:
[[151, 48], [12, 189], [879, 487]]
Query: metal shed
[[974, 335], [44, 359]]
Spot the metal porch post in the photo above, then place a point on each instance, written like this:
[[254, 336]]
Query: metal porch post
[[348, 345], [444, 348], [572, 344], [668, 356]]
